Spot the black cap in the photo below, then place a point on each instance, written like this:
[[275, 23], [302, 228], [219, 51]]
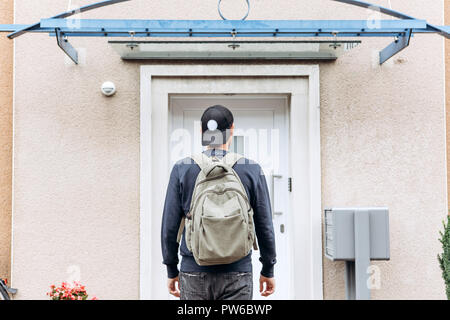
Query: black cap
[[216, 123]]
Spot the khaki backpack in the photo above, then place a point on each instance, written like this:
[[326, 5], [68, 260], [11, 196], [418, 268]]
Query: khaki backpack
[[219, 226]]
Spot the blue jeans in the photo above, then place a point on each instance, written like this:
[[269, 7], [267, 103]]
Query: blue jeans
[[216, 286]]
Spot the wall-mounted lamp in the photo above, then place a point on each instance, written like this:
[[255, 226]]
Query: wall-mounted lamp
[[108, 88]]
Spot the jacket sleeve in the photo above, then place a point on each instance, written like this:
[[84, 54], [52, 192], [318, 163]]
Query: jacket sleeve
[[171, 221], [262, 216]]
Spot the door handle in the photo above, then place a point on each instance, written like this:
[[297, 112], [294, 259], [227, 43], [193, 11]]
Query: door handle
[[272, 201]]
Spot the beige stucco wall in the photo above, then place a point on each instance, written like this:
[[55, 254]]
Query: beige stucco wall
[[76, 183], [6, 100], [447, 92]]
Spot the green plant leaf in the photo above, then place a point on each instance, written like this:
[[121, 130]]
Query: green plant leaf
[[444, 258]]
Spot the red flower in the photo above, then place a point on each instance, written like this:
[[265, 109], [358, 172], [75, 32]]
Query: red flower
[[69, 292]]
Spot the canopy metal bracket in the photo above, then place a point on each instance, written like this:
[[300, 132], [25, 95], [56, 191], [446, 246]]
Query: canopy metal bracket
[[64, 44], [403, 40], [395, 47]]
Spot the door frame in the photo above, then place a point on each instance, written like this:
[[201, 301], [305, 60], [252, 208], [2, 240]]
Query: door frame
[[312, 224]]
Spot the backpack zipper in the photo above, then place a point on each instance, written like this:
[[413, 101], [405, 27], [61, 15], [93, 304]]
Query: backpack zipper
[[216, 177]]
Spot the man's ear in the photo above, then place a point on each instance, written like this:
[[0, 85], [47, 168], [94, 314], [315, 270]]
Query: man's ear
[[230, 138]]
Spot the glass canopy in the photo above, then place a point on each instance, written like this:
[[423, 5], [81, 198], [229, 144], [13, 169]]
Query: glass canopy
[[295, 50]]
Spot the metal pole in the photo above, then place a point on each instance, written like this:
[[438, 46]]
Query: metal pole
[[350, 286], [362, 253]]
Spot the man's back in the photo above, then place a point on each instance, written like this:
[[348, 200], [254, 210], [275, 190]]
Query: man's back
[[178, 201]]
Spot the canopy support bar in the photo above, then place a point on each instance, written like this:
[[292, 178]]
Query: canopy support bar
[[63, 15], [64, 44], [442, 31], [395, 47]]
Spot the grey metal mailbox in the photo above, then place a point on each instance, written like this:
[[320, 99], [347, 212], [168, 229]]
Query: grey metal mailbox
[[357, 235]]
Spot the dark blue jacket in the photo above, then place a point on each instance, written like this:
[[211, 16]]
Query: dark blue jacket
[[177, 204]]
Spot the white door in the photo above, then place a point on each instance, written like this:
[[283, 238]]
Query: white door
[[261, 134]]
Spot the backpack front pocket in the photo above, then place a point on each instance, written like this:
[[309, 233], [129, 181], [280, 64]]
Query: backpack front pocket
[[221, 205], [222, 240]]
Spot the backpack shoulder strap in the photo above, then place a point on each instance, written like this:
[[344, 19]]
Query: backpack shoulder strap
[[180, 229], [202, 160], [231, 158]]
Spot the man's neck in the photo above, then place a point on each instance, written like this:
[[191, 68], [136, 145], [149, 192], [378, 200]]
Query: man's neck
[[222, 147]]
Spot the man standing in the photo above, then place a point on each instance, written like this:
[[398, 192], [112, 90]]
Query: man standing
[[221, 281]]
